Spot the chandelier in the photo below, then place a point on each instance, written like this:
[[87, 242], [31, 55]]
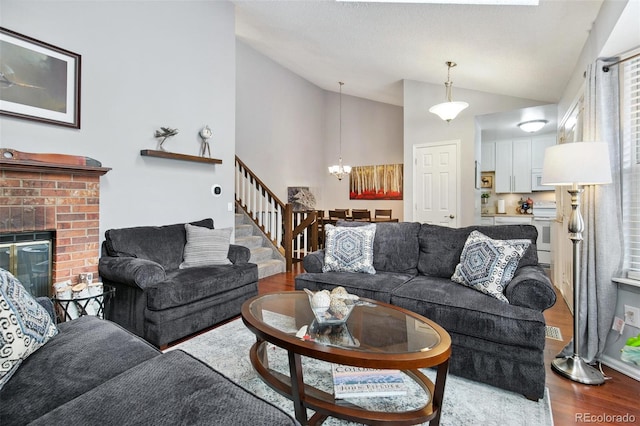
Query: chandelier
[[339, 170], [448, 110]]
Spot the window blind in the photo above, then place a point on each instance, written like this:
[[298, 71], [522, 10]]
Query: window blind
[[631, 165]]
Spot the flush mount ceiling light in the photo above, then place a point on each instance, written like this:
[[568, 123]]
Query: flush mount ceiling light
[[448, 110], [532, 126], [339, 170]]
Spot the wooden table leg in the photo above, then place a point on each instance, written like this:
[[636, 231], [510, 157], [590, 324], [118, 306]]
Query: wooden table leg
[[438, 394], [297, 387]]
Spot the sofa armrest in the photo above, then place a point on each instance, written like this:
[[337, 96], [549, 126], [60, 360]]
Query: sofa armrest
[[238, 254], [531, 288], [313, 262], [132, 271]]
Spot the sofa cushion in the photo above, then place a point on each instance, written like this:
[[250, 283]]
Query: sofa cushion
[[25, 325], [161, 244], [441, 247], [467, 312], [488, 265], [85, 353], [185, 286], [349, 249], [185, 392], [206, 247], [378, 286], [395, 246]]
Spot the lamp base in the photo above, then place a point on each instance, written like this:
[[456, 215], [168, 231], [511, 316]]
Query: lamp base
[[576, 369]]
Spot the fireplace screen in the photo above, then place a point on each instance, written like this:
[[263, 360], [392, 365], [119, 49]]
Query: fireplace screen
[[28, 258]]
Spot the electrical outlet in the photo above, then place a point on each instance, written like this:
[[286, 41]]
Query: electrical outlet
[[632, 315], [618, 324]]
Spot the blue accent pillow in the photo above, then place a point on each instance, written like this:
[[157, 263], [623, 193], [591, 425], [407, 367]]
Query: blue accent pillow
[[349, 249], [488, 265], [25, 325]]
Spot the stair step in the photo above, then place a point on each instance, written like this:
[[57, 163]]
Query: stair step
[[270, 267], [250, 241], [243, 230], [239, 219], [261, 254]]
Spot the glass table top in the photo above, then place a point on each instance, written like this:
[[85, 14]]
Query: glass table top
[[371, 327]]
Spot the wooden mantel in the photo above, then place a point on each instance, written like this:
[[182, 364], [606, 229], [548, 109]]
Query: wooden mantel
[[43, 167]]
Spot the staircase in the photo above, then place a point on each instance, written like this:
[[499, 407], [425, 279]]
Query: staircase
[[263, 252]]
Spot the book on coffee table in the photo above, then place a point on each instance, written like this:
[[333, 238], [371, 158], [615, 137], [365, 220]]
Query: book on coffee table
[[353, 382]]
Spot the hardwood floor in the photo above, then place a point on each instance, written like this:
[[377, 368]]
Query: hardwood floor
[[571, 403]]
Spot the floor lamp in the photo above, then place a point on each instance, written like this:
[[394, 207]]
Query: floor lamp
[[576, 164]]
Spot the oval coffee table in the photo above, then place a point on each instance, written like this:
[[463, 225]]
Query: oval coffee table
[[380, 335]]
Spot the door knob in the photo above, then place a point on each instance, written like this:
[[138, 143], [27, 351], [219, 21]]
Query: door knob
[[451, 216]]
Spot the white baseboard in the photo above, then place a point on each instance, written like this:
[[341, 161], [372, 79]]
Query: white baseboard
[[621, 366]]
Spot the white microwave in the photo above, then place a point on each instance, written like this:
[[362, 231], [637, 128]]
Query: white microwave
[[536, 182]]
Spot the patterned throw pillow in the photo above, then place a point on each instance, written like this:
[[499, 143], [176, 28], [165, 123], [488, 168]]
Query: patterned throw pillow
[[206, 247], [488, 265], [349, 249], [25, 325]]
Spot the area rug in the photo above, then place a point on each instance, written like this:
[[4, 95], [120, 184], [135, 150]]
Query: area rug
[[466, 402]]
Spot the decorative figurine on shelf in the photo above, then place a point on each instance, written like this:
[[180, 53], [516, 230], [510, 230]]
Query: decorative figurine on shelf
[[205, 135], [164, 133]]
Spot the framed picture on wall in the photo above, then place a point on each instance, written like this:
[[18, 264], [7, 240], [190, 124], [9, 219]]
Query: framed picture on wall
[[38, 81], [381, 182]]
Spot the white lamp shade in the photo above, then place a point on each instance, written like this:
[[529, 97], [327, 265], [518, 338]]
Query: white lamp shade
[[580, 163], [448, 110]]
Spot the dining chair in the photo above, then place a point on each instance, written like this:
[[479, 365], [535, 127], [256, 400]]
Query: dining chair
[[338, 214], [382, 214], [361, 215]]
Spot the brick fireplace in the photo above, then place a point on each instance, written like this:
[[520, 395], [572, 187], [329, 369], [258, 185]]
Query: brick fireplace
[[63, 199]]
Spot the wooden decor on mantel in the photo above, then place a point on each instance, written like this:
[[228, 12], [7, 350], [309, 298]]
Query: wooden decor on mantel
[[174, 156]]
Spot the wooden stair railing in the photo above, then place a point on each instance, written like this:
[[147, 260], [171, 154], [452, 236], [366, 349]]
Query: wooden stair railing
[[293, 233]]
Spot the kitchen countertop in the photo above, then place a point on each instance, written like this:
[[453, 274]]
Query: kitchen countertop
[[505, 215]]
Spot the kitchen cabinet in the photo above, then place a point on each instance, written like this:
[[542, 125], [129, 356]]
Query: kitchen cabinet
[[488, 156], [512, 220], [538, 146], [513, 166], [486, 221]]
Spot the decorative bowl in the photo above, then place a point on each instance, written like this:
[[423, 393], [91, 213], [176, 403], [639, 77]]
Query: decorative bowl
[[335, 313]]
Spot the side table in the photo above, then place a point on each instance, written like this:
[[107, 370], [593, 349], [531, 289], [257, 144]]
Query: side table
[[74, 307]]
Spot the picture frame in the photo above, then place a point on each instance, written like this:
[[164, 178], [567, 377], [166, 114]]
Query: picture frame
[[379, 182], [486, 181], [40, 82]]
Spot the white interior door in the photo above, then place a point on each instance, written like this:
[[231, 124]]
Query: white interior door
[[435, 183]]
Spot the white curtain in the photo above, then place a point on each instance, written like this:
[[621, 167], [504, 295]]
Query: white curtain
[[601, 207]]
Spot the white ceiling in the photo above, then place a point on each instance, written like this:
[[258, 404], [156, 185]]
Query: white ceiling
[[522, 51]]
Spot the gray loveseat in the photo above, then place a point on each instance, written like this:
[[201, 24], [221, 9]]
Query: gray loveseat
[[494, 342], [93, 372], [160, 302]]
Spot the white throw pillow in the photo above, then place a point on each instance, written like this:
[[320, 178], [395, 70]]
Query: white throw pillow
[[349, 249], [488, 265], [206, 247], [25, 325]]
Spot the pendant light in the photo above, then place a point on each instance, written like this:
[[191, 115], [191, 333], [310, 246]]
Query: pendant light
[[448, 110], [339, 170]]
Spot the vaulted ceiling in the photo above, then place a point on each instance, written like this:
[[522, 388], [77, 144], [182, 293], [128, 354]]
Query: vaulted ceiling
[[521, 51]]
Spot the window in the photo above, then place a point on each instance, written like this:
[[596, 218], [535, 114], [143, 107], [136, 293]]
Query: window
[[631, 165]]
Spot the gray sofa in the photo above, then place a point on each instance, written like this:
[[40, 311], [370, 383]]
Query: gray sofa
[[93, 372], [160, 302], [494, 342]]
